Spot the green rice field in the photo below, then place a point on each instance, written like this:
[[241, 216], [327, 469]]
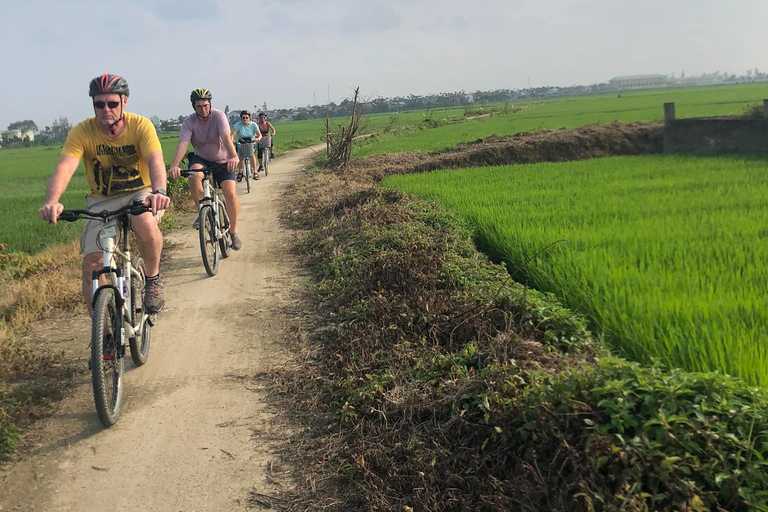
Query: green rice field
[[570, 112], [666, 255], [24, 172], [23, 177]]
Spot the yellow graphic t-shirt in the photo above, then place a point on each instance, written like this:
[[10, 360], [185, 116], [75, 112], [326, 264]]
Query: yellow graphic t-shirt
[[114, 167]]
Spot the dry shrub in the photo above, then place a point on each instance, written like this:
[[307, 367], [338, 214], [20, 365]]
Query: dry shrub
[[48, 281], [544, 146], [414, 313]]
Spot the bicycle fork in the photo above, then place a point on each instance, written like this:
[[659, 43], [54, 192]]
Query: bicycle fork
[[121, 290], [214, 203]]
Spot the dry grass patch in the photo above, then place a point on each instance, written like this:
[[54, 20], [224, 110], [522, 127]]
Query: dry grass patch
[[31, 287]]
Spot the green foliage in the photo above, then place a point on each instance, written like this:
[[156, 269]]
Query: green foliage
[[25, 125], [753, 111], [656, 438], [18, 265], [9, 434], [660, 252], [13, 406]]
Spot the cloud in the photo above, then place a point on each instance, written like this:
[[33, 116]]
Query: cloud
[[460, 22], [367, 18], [182, 10]]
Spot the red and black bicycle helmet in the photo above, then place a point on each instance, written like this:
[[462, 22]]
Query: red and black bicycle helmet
[[108, 84], [245, 113]]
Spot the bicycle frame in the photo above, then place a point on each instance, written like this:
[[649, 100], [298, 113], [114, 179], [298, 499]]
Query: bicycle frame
[[118, 278], [208, 196], [116, 275]]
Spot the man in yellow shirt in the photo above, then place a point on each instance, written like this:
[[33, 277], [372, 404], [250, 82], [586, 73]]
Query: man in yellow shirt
[[123, 161]]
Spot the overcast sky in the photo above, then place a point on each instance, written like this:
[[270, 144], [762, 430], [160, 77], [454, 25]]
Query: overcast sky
[[287, 52]]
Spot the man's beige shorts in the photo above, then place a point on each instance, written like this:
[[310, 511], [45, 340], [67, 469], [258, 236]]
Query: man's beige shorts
[[90, 235]]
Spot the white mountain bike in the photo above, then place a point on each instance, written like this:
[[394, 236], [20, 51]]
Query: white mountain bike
[[118, 308]]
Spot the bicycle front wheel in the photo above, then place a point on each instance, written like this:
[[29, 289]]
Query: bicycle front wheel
[[248, 171], [106, 361], [208, 243], [265, 161]]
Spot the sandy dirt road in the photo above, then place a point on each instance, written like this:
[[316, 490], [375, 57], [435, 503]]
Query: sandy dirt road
[[195, 433]]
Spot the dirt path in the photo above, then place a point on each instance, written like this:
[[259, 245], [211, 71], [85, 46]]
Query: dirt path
[[195, 433]]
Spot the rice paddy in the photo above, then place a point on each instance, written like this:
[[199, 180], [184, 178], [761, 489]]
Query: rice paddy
[[664, 254]]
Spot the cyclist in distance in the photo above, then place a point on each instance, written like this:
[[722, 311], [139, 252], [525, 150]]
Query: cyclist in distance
[[267, 130], [123, 161], [245, 129], [208, 131]]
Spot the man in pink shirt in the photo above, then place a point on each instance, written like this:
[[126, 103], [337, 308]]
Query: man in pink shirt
[[208, 131]]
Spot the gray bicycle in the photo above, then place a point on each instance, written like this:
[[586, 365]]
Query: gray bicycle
[[245, 151], [264, 148]]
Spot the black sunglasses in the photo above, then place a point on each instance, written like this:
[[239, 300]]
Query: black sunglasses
[[244, 117], [102, 104]]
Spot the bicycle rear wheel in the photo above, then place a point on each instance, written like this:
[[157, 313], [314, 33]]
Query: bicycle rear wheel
[[225, 242], [143, 329], [208, 246], [106, 361]]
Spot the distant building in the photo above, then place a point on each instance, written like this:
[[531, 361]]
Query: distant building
[[10, 135], [623, 83]]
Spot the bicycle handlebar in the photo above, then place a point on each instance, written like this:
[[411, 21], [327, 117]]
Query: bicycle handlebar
[[137, 207], [206, 172]]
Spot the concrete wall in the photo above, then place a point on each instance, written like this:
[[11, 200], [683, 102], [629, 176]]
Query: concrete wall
[[711, 135]]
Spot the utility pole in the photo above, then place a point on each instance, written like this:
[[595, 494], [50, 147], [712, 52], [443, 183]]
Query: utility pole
[[329, 93], [314, 95]]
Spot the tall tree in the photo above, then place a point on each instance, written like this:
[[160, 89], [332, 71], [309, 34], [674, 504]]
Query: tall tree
[[25, 125]]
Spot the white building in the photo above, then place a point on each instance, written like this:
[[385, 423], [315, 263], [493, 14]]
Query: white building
[[10, 135], [625, 83]]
